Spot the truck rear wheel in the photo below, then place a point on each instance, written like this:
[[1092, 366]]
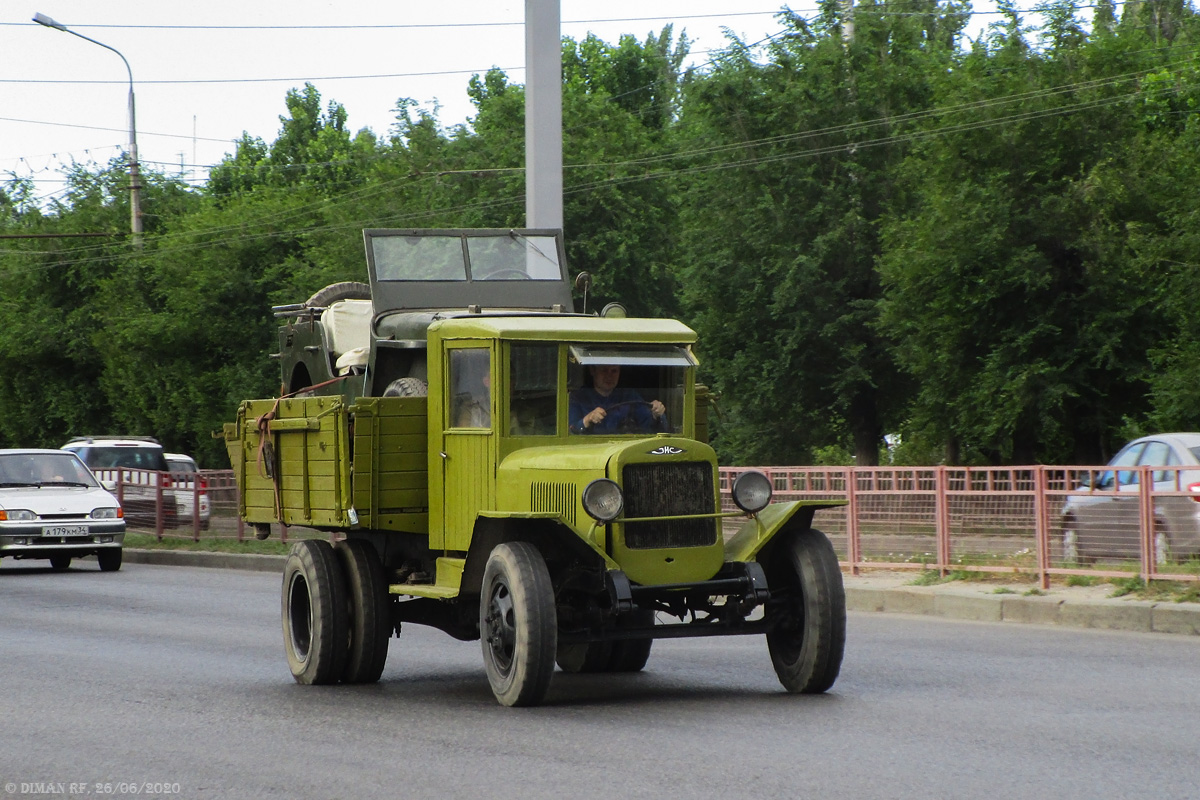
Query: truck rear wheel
[[807, 611], [315, 630], [517, 624], [369, 609]]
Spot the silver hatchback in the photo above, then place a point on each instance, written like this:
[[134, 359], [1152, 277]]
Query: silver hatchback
[[1106, 521], [52, 507]]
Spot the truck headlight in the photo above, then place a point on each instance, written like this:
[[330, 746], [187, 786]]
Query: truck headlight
[[752, 492], [106, 513], [17, 515], [602, 500]]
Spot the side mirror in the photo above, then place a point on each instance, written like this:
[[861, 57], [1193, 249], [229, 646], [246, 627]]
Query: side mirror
[[583, 282]]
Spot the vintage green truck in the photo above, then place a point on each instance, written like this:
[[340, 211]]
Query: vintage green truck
[[443, 423]]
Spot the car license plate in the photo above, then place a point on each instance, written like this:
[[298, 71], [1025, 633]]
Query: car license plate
[[65, 530]]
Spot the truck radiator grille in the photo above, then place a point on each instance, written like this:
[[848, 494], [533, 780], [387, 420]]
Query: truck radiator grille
[[659, 490], [557, 497]]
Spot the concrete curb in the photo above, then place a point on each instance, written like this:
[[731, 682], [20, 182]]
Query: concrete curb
[[1078, 607], [198, 558]]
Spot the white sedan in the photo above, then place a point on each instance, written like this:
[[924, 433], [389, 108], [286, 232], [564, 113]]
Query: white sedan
[[52, 507]]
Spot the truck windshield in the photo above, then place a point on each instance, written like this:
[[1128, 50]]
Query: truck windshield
[[484, 258], [617, 390], [613, 390]]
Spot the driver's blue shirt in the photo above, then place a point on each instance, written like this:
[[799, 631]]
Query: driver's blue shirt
[[626, 412]]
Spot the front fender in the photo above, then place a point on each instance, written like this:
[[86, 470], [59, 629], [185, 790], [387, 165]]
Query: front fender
[[544, 530], [757, 531]]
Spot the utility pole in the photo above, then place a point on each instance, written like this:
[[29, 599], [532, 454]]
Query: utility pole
[[543, 114]]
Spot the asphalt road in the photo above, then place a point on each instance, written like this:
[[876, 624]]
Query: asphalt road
[[175, 677]]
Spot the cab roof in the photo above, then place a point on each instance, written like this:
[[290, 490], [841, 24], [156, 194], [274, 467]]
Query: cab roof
[[562, 327]]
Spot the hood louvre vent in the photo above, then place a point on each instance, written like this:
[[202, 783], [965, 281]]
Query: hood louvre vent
[[561, 498]]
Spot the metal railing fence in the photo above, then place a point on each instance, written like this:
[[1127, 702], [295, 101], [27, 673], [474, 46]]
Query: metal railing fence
[[1043, 521], [1039, 520]]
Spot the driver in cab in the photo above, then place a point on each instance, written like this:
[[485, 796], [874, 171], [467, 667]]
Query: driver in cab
[[605, 408]]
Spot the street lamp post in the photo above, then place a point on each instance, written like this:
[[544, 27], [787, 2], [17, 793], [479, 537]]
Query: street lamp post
[[135, 183]]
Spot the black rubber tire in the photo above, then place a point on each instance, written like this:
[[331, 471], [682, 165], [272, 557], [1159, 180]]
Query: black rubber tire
[[60, 563], [586, 657], [110, 559], [517, 624], [406, 387], [807, 611], [370, 611], [315, 633], [345, 290], [631, 655]]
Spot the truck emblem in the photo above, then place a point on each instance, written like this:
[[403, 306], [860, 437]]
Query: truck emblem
[[666, 450]]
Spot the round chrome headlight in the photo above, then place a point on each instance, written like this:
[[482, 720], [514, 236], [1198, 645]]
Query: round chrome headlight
[[602, 500], [752, 492]]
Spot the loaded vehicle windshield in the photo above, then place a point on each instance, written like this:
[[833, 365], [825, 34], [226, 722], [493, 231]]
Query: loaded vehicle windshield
[[445, 258]]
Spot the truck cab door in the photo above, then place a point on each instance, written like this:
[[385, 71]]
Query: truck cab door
[[468, 442]]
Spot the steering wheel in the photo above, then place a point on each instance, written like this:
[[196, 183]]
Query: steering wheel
[[502, 274]]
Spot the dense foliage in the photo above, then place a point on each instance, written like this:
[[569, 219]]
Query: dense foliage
[[980, 250]]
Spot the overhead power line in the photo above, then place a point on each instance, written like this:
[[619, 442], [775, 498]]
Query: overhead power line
[[520, 23], [418, 26]]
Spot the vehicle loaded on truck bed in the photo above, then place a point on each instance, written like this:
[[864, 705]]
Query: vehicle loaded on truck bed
[[504, 469]]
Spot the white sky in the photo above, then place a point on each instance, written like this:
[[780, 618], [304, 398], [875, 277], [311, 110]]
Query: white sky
[[198, 88]]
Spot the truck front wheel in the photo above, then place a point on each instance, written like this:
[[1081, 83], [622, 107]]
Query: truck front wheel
[[517, 624], [807, 611], [315, 632]]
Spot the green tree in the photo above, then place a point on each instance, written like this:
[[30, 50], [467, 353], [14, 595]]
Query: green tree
[[791, 177]]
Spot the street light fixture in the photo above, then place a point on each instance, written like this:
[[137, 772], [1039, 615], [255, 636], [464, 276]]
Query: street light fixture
[[135, 184]]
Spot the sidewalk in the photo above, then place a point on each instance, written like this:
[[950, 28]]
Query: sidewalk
[[890, 593], [1069, 606]]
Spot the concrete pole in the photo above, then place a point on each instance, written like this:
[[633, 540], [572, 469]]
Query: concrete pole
[[135, 175], [543, 114]]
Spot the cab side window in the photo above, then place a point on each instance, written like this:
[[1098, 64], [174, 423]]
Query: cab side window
[[533, 382]]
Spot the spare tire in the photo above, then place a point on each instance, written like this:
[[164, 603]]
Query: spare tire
[[345, 290], [406, 387]]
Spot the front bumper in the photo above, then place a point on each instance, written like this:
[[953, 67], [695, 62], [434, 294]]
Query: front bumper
[[27, 541]]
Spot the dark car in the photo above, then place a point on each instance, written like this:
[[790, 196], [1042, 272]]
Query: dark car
[[139, 465]]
